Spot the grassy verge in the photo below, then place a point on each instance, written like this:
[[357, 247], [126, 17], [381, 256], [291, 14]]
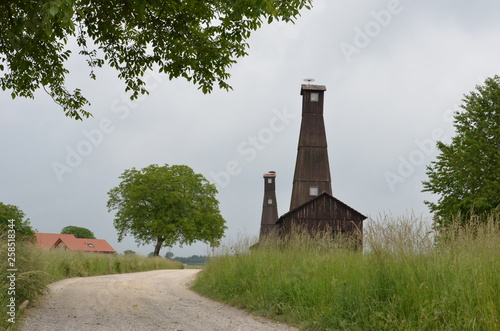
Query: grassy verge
[[402, 280], [61, 264], [36, 268]]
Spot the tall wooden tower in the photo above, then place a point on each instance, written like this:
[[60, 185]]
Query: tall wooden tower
[[312, 169], [313, 208], [269, 206]]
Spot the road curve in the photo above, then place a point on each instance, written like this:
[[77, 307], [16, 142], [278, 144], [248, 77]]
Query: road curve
[[153, 300]]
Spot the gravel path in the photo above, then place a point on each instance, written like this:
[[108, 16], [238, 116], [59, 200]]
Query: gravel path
[[153, 300]]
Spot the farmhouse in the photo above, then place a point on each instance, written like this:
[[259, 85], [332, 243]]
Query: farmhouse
[[70, 243], [313, 207]]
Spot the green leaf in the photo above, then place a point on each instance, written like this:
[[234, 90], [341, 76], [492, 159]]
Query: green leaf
[[54, 10]]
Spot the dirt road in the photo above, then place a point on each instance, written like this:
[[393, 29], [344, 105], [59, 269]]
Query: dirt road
[[154, 300]]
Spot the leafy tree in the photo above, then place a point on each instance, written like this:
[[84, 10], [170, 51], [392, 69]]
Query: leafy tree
[[169, 255], [193, 260], [196, 40], [466, 174], [166, 205], [21, 224], [128, 252], [78, 232]]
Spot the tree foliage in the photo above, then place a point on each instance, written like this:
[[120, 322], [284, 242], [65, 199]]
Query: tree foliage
[[78, 232], [196, 40], [466, 174], [166, 205], [193, 260], [21, 224]]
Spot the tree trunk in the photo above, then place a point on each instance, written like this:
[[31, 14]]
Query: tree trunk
[[159, 241]]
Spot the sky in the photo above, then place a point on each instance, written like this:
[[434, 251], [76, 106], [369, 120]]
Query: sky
[[395, 71]]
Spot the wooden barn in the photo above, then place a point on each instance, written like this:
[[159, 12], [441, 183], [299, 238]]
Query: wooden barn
[[313, 207], [324, 213]]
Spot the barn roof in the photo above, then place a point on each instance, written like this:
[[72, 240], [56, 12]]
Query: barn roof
[[322, 195]]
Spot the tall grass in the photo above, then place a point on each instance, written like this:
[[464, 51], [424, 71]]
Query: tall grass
[[400, 281], [61, 264], [38, 267], [29, 283]]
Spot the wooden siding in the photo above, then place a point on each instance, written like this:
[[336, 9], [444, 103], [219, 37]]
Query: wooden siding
[[312, 131], [324, 213], [312, 167], [326, 206], [308, 105], [314, 210], [269, 210]]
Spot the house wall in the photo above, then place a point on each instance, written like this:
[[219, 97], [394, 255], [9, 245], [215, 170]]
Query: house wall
[[62, 246]]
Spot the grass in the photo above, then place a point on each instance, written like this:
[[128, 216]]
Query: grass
[[38, 267], [402, 280], [62, 264]]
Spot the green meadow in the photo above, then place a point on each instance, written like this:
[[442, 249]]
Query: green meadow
[[407, 277]]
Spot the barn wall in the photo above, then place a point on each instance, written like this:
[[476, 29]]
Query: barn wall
[[324, 214]]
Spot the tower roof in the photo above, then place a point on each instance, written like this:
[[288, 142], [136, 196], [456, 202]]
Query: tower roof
[[310, 87], [333, 211]]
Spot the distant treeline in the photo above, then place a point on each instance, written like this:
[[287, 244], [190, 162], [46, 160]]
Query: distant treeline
[[193, 260]]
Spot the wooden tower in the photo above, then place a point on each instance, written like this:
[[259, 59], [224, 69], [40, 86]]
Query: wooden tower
[[269, 207], [312, 168], [313, 208]]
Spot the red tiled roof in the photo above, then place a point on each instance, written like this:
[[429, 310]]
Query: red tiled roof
[[47, 240], [87, 245], [53, 240]]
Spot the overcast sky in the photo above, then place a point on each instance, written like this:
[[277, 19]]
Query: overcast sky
[[394, 71]]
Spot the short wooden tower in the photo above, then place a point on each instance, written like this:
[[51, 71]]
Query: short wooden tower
[[269, 206]]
